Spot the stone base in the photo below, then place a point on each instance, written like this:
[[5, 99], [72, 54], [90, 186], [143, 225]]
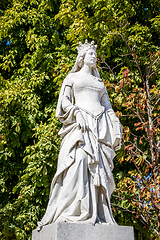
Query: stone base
[[76, 231]]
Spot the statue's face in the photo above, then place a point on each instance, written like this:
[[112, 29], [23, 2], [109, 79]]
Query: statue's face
[[90, 58]]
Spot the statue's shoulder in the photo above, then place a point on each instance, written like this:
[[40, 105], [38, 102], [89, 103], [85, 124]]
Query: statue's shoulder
[[69, 80], [72, 75]]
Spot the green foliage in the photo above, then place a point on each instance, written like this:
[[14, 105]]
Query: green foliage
[[28, 101], [38, 42], [41, 160], [127, 34]]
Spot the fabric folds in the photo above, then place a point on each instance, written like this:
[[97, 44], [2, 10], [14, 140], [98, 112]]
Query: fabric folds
[[83, 183]]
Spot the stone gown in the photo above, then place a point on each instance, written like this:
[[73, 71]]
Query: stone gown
[[83, 183]]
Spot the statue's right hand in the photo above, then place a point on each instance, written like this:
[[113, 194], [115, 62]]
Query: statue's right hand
[[81, 122]]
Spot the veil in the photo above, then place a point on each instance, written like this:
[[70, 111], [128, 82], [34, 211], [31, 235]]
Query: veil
[[76, 68]]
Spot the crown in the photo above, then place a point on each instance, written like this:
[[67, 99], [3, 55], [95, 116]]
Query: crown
[[86, 46]]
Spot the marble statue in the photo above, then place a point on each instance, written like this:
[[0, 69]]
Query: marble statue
[[91, 133]]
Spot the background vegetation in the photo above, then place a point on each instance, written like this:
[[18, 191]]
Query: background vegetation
[[38, 40]]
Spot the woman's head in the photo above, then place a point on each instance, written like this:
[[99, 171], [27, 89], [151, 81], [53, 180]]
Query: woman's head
[[86, 55], [90, 58]]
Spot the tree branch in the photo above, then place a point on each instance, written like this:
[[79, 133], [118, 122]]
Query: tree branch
[[111, 70], [155, 104], [153, 64], [132, 52], [141, 217]]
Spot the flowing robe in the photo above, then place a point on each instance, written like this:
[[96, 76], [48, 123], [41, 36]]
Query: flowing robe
[[83, 183]]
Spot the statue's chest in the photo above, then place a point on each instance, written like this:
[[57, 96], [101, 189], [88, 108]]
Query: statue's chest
[[89, 85]]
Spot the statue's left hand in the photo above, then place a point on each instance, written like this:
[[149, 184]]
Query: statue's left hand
[[81, 122]]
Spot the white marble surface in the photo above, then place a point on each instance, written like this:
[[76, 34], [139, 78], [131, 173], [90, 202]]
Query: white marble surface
[[74, 231], [91, 133]]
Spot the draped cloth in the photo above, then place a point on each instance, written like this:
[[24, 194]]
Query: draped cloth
[[82, 186]]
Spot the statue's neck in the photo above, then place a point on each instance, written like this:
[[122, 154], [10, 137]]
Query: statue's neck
[[86, 69]]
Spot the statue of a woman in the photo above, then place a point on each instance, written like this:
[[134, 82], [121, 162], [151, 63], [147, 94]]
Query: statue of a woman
[[91, 133]]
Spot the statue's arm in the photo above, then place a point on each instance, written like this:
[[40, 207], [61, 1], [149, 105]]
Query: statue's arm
[[67, 99], [67, 105], [114, 119], [106, 102]]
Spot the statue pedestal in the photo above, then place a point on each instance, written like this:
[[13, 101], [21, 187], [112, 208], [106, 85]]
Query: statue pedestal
[[76, 231]]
